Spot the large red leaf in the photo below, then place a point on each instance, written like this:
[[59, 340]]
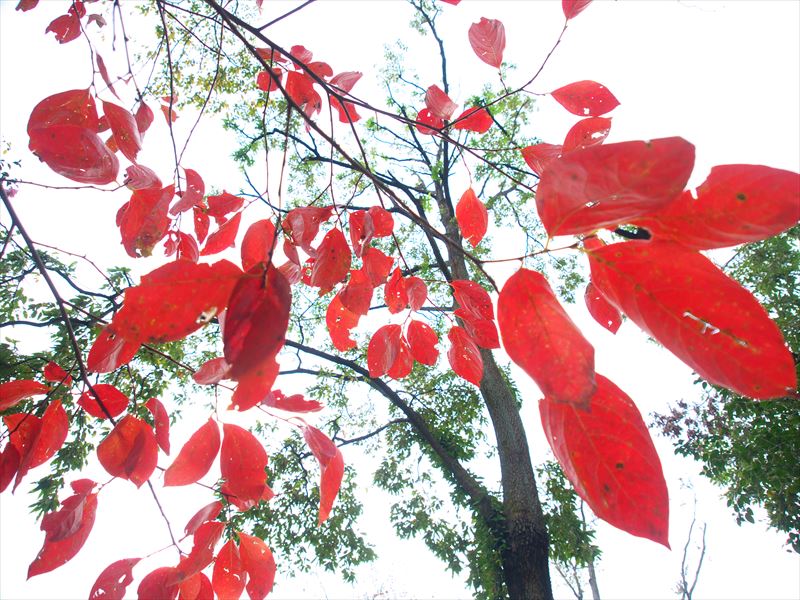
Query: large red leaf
[[383, 349], [606, 185], [74, 107], [207, 513], [130, 451], [394, 292], [114, 401], [586, 133], [601, 309], [482, 331], [464, 355], [205, 540], [48, 439], [144, 118], [221, 205], [66, 27], [174, 300], [356, 296], [161, 583], [333, 261], [196, 457], [340, 320], [332, 465], [259, 564], [488, 39], [607, 454], [422, 342], [114, 580], [539, 156], [65, 530], [417, 292], [143, 221], [428, 123], [110, 351], [439, 103], [192, 195], [572, 8], [475, 118], [473, 298], [14, 392], [242, 464], [539, 336], [228, 578], [254, 385], [75, 152], [125, 130], [382, 221], [224, 237], [734, 205], [196, 587], [698, 313], [586, 98], [472, 217], [258, 244]]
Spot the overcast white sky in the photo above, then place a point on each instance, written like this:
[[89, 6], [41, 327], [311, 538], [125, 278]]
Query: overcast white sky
[[724, 75]]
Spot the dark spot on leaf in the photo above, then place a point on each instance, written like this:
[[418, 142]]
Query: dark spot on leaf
[[620, 465], [741, 197]]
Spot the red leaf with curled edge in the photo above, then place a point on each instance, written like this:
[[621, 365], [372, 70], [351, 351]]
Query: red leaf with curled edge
[[212, 371], [422, 342], [608, 456], [66, 28], [602, 311], [9, 462], [605, 185], [302, 225], [144, 221], [115, 401], [267, 81], [439, 103], [101, 64], [356, 296], [586, 133], [383, 349], [404, 362], [75, 153], [130, 451], [488, 39], [539, 336], [698, 313], [734, 205], [258, 244], [254, 385], [340, 321], [26, 5], [162, 583], [23, 430], [139, 177], [321, 69], [110, 351], [114, 580], [585, 98], [293, 403], [65, 530], [195, 457], [125, 130], [208, 513], [382, 220], [394, 292], [270, 55], [223, 204], [428, 123], [174, 300], [205, 540], [242, 463], [259, 564], [417, 292], [464, 356], [473, 220], [332, 465], [48, 439], [345, 82], [187, 248], [192, 195], [377, 265], [572, 8], [333, 261], [73, 107], [229, 577], [14, 392], [144, 118], [473, 298], [196, 587], [362, 230], [201, 223], [161, 423], [539, 156], [475, 118], [482, 331], [224, 237]]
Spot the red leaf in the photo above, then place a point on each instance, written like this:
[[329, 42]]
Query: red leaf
[[394, 292], [698, 313], [125, 130], [48, 439], [540, 337], [340, 321], [540, 155], [361, 230], [300, 89], [73, 107], [110, 351], [607, 454], [294, 403], [404, 362], [439, 103], [258, 244], [9, 462], [101, 64], [228, 579], [585, 98], [66, 28], [333, 262], [174, 300], [267, 81], [161, 583], [464, 356], [114, 401], [254, 385], [422, 342], [76, 153], [144, 118], [473, 298], [26, 5], [224, 237], [144, 221], [735, 204], [201, 223], [488, 39], [196, 457], [601, 309], [212, 371], [377, 265], [161, 421], [14, 392], [205, 540], [114, 580], [482, 331], [130, 451], [572, 8], [258, 563], [347, 110], [302, 225], [138, 177], [192, 195], [65, 532], [417, 292], [332, 465], [606, 185], [428, 123], [383, 349], [382, 220], [242, 463], [168, 110], [356, 296], [196, 587], [586, 133], [207, 513], [476, 119], [472, 217], [223, 204]]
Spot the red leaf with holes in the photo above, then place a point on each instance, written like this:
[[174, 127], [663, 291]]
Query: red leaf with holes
[[259, 564], [212, 371], [539, 156], [46, 441], [702, 316], [488, 39], [294, 403], [130, 451], [192, 194], [302, 225], [161, 583], [439, 103], [601, 309], [586, 133], [201, 223], [572, 8], [242, 464], [126, 131], [340, 321], [223, 238], [377, 265], [383, 349], [394, 292], [66, 28], [110, 351], [174, 300], [144, 118], [428, 123], [422, 342], [356, 296], [403, 363], [736, 204], [608, 456], [585, 98], [254, 385], [196, 457], [207, 513], [114, 401], [333, 262], [138, 177], [65, 530], [464, 356], [161, 421], [75, 152], [476, 119], [472, 217], [222, 205], [417, 292], [257, 319], [114, 580], [229, 576], [615, 183], [332, 465], [361, 231], [144, 221], [258, 244], [540, 337], [205, 540], [9, 462], [14, 392], [73, 107]]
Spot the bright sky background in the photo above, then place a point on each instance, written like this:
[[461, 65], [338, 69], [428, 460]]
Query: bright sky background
[[724, 75]]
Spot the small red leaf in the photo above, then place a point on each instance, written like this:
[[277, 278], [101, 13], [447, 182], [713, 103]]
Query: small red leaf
[[258, 244], [222, 205], [66, 28], [267, 81], [439, 103], [223, 238], [192, 195], [196, 457], [161, 420], [586, 133], [585, 98], [332, 465], [114, 401], [130, 451], [48, 439], [539, 156], [340, 321], [464, 356], [143, 221], [377, 265], [383, 349], [258, 563], [417, 292], [476, 119], [114, 580], [422, 342], [293, 403], [26, 5], [14, 392], [205, 540], [138, 177], [9, 462], [429, 123], [382, 220], [333, 262], [488, 39], [356, 296], [144, 118], [201, 223], [473, 298], [472, 217], [125, 130], [207, 513], [196, 587], [601, 309], [242, 464], [212, 371], [394, 292], [229, 576], [109, 352], [302, 225], [572, 8]]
